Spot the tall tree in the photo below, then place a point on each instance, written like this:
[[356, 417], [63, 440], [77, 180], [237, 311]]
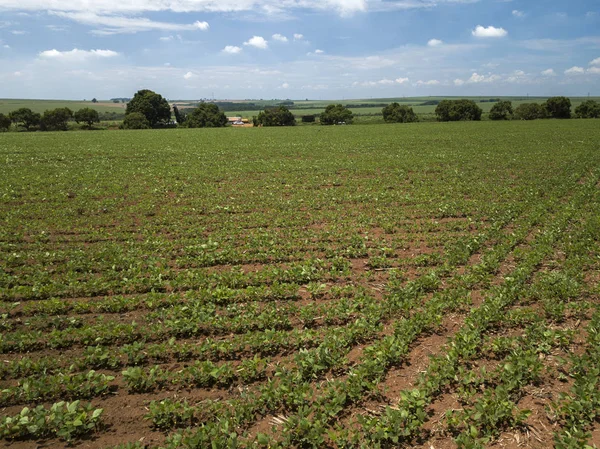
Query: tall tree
[[87, 116], [5, 122], [396, 113], [279, 116], [558, 107], [25, 117], [206, 115], [153, 106], [336, 114]]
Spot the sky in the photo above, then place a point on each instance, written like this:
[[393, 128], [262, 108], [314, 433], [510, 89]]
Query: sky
[[298, 49]]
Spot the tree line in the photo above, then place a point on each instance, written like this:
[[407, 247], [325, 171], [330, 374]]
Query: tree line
[[147, 109]]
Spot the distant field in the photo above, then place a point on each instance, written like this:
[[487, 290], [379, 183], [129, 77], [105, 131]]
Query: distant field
[[379, 286], [8, 105]]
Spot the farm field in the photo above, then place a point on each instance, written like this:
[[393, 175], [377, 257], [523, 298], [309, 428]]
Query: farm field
[[421, 285]]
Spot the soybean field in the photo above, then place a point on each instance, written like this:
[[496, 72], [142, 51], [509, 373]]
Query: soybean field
[[429, 285]]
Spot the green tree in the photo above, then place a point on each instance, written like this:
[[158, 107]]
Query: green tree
[[135, 120], [456, 110], [309, 118], [153, 106], [336, 114], [530, 111], [94, 100], [180, 117], [25, 117], [502, 110], [396, 113], [279, 116], [87, 116], [56, 119], [206, 115], [588, 109], [558, 107], [5, 122]]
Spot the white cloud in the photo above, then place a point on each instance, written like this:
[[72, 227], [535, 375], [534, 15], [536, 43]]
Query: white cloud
[[166, 38], [434, 42], [428, 83], [594, 70], [19, 32], [575, 71], [549, 72], [76, 54], [285, 86], [490, 31], [6, 46], [279, 37], [298, 37], [319, 52], [401, 80], [232, 49], [113, 24], [595, 62], [188, 75], [519, 73], [517, 13], [458, 82], [476, 78], [258, 42], [201, 25]]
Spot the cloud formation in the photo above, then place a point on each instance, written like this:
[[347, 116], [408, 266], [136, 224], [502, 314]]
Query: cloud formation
[[489, 31], [434, 43], [257, 42], [76, 54], [113, 24], [232, 49], [279, 37]]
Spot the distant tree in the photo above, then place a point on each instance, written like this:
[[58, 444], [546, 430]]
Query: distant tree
[[56, 119], [179, 116], [94, 100], [502, 110], [25, 117], [206, 115], [115, 101], [588, 109], [279, 116], [456, 110], [396, 113], [135, 120], [530, 111], [334, 114], [558, 107], [153, 106], [5, 122], [309, 118], [87, 116]]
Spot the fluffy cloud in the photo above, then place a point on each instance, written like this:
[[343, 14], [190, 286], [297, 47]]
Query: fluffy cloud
[[257, 42], [595, 62], [490, 31], [458, 82], [279, 37], [401, 80], [319, 52], [476, 78], [188, 75], [76, 54], [548, 72], [575, 71], [112, 24], [594, 70], [298, 37], [517, 13], [285, 86], [434, 42], [428, 83], [232, 49]]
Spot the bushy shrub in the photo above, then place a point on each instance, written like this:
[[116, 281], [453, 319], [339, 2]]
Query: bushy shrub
[[502, 110], [396, 113], [135, 120], [456, 110], [588, 109], [336, 114]]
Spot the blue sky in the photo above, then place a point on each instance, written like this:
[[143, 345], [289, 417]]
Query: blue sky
[[329, 49]]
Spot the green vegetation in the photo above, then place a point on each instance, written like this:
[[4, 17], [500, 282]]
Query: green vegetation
[[588, 109], [362, 286], [502, 110], [151, 105], [457, 110], [87, 117], [279, 116], [530, 111], [56, 119], [206, 115], [336, 114], [396, 113]]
